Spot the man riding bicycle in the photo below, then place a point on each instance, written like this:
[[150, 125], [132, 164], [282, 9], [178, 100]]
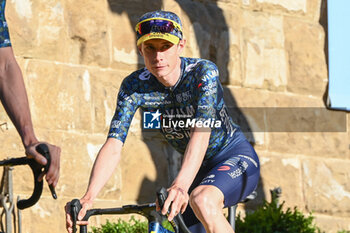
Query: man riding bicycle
[[219, 166]]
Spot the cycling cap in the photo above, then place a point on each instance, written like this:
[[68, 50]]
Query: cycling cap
[[159, 25]]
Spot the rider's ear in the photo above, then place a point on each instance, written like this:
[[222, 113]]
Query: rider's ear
[[181, 45], [139, 49]]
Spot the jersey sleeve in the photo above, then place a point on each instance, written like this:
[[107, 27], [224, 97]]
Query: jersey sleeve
[[207, 99], [124, 113]]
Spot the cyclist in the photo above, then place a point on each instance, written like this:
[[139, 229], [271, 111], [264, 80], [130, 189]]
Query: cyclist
[[14, 99], [219, 166]]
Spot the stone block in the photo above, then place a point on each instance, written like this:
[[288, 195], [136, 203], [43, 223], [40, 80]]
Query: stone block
[[299, 5], [304, 119], [143, 169], [260, 98], [46, 214], [104, 86], [331, 224], [261, 112], [283, 171], [316, 10], [264, 58], [59, 96], [304, 44], [326, 186], [229, 54], [122, 21], [124, 48], [207, 39], [87, 26], [78, 152], [38, 29], [10, 142], [320, 144]]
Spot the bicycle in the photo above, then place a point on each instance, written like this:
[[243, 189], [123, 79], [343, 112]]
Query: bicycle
[[147, 210], [6, 188]]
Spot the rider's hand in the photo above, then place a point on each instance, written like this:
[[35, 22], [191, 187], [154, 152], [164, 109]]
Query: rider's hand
[[53, 174], [86, 205], [178, 199]]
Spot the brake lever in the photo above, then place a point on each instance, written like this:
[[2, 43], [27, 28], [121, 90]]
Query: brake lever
[[75, 207], [178, 221], [37, 169], [44, 150]]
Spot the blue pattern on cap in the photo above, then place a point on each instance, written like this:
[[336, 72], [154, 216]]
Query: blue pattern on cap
[[162, 14]]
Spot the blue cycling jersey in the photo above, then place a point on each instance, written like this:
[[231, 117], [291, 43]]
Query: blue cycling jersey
[[196, 97], [4, 32]]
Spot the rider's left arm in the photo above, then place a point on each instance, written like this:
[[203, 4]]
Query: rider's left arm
[[206, 99], [192, 160]]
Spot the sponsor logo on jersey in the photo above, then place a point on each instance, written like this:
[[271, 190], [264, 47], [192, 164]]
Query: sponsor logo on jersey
[[190, 67], [184, 96], [145, 75], [250, 159], [115, 124], [224, 168], [225, 118], [210, 75], [242, 167], [209, 179]]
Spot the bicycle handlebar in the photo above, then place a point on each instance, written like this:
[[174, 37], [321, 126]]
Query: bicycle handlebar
[[37, 169], [146, 210]]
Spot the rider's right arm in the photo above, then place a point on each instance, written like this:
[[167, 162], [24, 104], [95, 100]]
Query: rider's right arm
[[109, 155], [105, 163], [104, 166]]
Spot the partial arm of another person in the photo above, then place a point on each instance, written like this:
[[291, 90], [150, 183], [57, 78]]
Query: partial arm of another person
[[104, 166], [15, 101]]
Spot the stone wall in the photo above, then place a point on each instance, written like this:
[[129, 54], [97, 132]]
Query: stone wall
[[271, 55]]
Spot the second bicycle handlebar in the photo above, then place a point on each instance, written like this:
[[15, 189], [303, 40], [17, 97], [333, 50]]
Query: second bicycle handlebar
[[37, 169]]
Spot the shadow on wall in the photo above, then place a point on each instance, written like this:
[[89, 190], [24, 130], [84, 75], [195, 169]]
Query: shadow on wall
[[324, 23], [206, 16]]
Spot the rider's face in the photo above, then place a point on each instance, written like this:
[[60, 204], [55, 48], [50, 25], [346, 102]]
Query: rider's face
[[161, 57]]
